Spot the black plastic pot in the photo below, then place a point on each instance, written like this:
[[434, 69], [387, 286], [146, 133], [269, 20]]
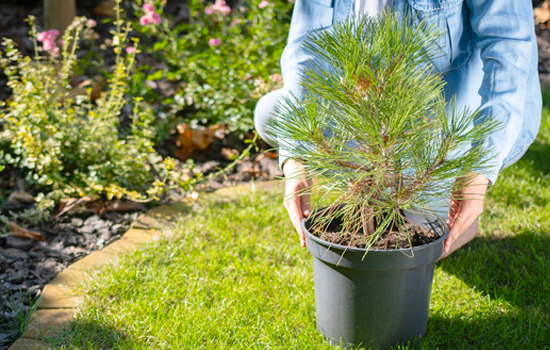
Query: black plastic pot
[[377, 301]]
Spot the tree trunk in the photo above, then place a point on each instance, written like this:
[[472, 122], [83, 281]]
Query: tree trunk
[[58, 14], [368, 221]]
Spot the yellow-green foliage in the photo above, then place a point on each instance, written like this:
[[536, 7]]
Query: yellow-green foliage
[[75, 147]]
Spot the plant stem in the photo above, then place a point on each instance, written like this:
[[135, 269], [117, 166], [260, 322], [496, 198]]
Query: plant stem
[[368, 220]]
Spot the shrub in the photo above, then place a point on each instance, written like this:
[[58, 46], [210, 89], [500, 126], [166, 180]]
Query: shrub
[[73, 146], [225, 59]]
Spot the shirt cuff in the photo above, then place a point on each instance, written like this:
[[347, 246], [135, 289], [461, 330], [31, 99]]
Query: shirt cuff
[[284, 155], [492, 171]]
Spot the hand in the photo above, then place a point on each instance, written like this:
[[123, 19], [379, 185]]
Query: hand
[[466, 206], [297, 197]]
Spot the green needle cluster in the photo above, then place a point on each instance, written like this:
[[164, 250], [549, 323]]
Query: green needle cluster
[[374, 122]]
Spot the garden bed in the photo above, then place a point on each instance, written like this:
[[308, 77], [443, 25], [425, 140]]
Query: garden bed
[[26, 265]]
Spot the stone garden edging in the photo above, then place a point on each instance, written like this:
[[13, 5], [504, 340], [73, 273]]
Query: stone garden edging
[[59, 299]]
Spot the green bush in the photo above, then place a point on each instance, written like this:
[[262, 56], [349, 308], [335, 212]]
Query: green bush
[[74, 147], [223, 61]]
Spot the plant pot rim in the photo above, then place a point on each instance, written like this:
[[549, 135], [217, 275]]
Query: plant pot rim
[[336, 246]]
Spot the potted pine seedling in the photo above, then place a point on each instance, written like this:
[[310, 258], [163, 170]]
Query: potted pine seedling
[[374, 125]]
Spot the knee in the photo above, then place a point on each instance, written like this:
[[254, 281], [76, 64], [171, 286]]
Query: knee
[[265, 108]]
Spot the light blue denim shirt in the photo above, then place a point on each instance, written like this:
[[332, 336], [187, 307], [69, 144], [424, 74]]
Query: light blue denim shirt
[[490, 63]]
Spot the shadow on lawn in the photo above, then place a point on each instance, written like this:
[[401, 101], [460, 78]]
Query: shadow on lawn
[[507, 331], [514, 269], [537, 156], [90, 335]]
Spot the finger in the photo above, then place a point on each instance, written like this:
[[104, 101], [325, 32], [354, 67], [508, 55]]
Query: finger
[[293, 206], [453, 211], [306, 205], [464, 218]]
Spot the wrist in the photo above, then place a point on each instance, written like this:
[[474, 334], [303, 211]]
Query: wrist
[[291, 166]]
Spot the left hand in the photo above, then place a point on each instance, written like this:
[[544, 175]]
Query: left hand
[[466, 206]]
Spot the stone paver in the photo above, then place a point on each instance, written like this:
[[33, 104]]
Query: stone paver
[[96, 259], [57, 297], [121, 246], [142, 236], [48, 323], [29, 344], [70, 278], [145, 222], [162, 215]]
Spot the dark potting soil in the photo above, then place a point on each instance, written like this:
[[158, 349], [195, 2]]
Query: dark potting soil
[[410, 235]]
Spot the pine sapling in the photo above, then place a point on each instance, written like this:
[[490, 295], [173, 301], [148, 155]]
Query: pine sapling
[[372, 121]]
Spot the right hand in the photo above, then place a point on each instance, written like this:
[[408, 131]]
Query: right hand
[[297, 202]]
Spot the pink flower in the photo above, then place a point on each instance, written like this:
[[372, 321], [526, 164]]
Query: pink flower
[[225, 10], [148, 8], [42, 36], [156, 17], [263, 4], [218, 7], [214, 42], [48, 35], [48, 41], [91, 23], [145, 20], [48, 44], [60, 42], [150, 16], [54, 51], [130, 50]]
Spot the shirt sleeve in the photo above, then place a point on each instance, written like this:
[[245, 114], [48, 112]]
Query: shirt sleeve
[[308, 15], [507, 43]]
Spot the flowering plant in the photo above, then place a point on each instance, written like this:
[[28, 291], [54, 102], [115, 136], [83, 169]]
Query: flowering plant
[[48, 41], [69, 144], [219, 7], [151, 16], [219, 58]]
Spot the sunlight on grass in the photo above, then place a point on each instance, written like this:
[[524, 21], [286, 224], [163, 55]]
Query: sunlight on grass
[[234, 277]]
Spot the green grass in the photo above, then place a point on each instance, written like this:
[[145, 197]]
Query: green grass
[[18, 323], [235, 277]]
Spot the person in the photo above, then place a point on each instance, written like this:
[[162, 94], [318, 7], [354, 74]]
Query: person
[[489, 63]]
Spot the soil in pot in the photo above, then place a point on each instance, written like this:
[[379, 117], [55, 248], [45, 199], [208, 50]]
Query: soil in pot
[[409, 235]]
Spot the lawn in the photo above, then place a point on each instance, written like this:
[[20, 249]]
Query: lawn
[[234, 277]]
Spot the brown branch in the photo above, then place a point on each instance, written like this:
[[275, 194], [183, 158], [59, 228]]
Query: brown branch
[[368, 220]]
